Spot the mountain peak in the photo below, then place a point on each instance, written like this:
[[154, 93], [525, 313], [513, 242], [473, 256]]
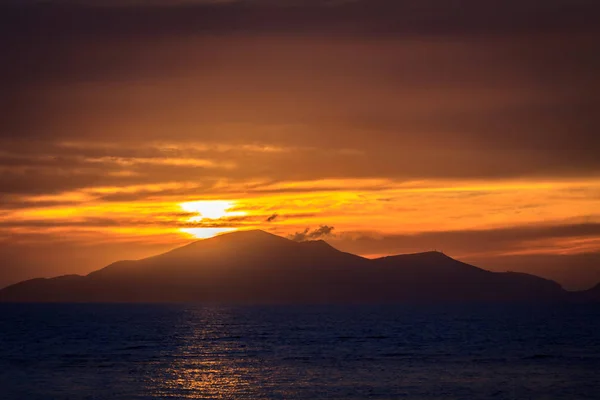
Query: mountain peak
[[426, 256], [235, 241], [318, 244], [252, 236], [433, 255], [250, 233]]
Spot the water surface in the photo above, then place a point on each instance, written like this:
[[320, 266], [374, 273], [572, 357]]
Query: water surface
[[70, 351]]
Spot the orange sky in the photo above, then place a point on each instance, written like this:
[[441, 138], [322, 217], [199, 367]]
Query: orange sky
[[121, 140]]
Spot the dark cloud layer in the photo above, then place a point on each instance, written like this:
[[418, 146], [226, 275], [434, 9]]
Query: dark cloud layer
[[424, 89], [376, 17], [499, 107]]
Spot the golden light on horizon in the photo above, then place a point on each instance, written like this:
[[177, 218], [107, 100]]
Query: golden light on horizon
[[209, 210], [206, 233]]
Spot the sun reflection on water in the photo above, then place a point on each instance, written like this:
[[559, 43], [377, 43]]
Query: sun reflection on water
[[209, 363]]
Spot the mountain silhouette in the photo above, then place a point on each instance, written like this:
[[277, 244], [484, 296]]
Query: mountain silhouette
[[591, 295], [253, 267]]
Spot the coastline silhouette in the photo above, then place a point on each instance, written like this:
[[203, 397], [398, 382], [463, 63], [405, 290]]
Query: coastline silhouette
[[256, 267]]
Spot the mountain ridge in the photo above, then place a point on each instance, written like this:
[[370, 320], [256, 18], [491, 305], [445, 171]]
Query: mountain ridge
[[259, 267]]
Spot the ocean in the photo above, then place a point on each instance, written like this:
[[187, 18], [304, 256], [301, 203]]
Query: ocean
[[124, 351]]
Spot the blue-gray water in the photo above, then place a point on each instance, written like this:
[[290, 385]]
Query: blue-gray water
[[353, 352]]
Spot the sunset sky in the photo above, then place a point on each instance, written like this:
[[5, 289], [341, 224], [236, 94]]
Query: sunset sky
[[383, 126]]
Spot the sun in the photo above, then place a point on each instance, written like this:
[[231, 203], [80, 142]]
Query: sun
[[209, 210], [205, 233]]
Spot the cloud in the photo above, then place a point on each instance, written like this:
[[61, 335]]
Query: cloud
[[528, 101], [307, 234], [322, 231], [272, 218]]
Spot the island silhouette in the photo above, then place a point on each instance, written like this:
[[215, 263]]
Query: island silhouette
[[256, 267]]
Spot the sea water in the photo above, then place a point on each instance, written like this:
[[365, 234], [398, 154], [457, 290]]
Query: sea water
[[123, 351]]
